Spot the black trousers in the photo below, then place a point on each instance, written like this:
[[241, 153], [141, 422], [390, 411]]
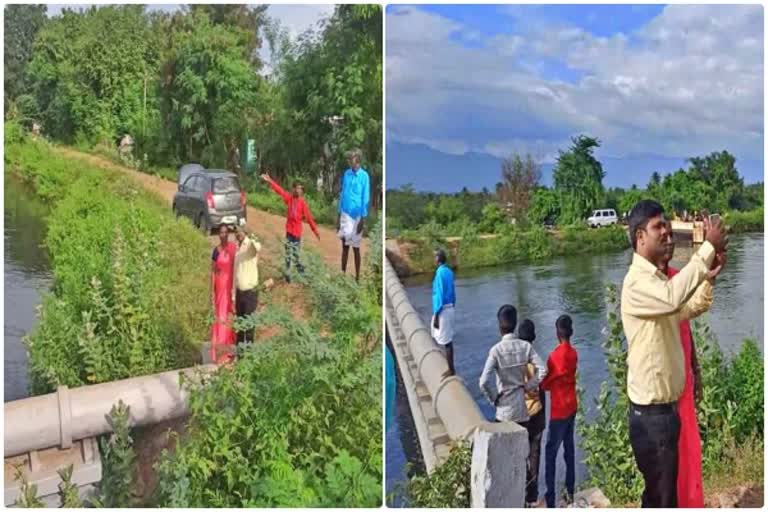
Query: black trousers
[[535, 427], [245, 304], [653, 432]]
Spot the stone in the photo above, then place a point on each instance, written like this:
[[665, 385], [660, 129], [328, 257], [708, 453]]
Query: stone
[[269, 283], [499, 455], [591, 498]]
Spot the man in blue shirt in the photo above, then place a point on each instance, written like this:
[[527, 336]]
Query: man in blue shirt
[[443, 302], [353, 209]]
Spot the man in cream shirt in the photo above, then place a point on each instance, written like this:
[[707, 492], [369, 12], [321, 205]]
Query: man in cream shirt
[[246, 280], [652, 307]]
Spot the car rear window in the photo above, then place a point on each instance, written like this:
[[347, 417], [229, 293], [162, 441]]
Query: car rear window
[[224, 185]]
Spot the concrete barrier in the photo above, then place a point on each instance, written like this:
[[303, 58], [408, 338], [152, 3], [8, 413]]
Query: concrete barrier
[[58, 419], [499, 450]]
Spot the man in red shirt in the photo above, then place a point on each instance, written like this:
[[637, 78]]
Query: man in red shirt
[[298, 210], [561, 384]]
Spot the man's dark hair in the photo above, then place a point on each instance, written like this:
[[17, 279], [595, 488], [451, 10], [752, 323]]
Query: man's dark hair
[[564, 326], [642, 212], [527, 331], [297, 183], [441, 256], [507, 316]]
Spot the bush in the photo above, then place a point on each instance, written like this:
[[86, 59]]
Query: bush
[[13, 133], [743, 222], [130, 282], [448, 486]]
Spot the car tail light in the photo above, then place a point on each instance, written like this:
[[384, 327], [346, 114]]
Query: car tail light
[[209, 200], [242, 198]]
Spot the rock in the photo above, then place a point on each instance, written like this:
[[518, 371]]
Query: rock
[[591, 498], [269, 283]]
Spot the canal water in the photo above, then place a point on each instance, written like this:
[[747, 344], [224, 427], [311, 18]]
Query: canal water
[[27, 277], [576, 286]]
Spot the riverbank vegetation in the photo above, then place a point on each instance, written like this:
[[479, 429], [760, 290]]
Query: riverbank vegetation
[[130, 282], [194, 84], [510, 245], [709, 183]]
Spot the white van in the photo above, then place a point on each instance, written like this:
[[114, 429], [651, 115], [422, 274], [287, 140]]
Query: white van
[[603, 218]]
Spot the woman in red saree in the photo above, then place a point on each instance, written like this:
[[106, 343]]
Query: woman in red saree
[[222, 278], [690, 489]]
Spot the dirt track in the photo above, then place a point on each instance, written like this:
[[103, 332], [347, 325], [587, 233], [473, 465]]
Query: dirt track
[[269, 227]]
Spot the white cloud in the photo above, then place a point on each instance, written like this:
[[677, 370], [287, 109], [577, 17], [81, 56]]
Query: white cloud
[[688, 82]]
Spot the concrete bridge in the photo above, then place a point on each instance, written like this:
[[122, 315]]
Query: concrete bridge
[[49, 432], [444, 412]]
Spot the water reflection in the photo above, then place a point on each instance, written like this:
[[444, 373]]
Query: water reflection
[[26, 267]]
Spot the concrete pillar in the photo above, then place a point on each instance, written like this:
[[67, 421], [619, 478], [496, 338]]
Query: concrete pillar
[[499, 457]]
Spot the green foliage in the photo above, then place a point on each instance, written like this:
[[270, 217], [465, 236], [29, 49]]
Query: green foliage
[[21, 24], [13, 133], [545, 207], [448, 486], [27, 493], [492, 218], [118, 481], [297, 422], [605, 440], [130, 282], [189, 85], [730, 413], [512, 244], [578, 178], [746, 221], [68, 492]]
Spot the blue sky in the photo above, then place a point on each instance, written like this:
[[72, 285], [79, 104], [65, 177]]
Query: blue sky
[[656, 84]]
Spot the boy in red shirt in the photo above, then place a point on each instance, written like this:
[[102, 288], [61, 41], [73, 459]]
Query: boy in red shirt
[[298, 210], [561, 383]]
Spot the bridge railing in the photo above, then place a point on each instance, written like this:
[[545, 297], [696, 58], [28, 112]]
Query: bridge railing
[[58, 419], [499, 450]]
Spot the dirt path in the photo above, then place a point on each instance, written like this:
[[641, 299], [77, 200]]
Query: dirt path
[[269, 227]]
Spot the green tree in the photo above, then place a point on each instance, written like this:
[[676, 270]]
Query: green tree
[[578, 178], [545, 206], [22, 23], [718, 170], [208, 88]]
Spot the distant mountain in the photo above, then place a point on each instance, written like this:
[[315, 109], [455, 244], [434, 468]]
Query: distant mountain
[[431, 170]]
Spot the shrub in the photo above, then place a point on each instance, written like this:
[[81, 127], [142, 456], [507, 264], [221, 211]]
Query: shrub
[[448, 486], [742, 222]]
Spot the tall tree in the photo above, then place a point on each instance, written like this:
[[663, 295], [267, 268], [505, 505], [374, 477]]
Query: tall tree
[[519, 175], [22, 23], [578, 178]]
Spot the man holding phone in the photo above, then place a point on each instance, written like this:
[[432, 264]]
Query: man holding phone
[[652, 307]]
